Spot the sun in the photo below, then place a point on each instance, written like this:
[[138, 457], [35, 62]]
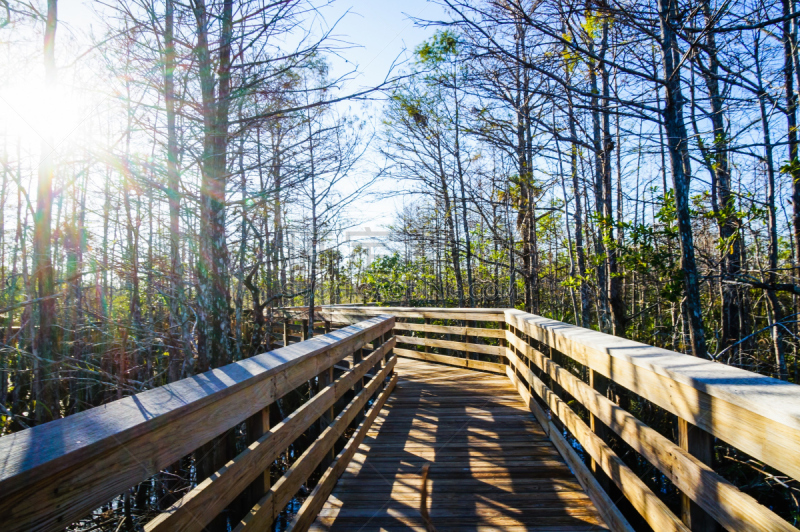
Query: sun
[[39, 115]]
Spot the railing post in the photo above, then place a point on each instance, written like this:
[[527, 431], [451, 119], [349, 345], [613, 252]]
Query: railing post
[[285, 332], [427, 334], [551, 382], [600, 384], [390, 335], [699, 444], [324, 379], [304, 332], [257, 425], [358, 357], [379, 341], [466, 339]]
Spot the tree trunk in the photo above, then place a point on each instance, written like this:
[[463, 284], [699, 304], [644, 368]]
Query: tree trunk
[[772, 228], [677, 144], [46, 378], [451, 228], [180, 348], [731, 260], [212, 266], [613, 279], [599, 187], [789, 47]]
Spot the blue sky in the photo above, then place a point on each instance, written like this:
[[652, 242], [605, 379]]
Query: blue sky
[[383, 32]]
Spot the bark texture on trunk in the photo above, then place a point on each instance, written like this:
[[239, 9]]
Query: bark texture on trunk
[[45, 350]]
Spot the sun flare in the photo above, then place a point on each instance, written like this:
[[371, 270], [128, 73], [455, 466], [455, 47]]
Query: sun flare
[[36, 114]]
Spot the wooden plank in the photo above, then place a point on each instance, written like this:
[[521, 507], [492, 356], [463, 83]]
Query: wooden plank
[[257, 426], [449, 344], [399, 527], [759, 415], [198, 507], [316, 499], [266, 511], [491, 465], [642, 498], [455, 361], [349, 485], [279, 327], [471, 314], [732, 508], [55, 473], [446, 329]]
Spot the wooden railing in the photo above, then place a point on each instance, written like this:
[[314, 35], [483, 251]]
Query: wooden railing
[[564, 373], [56, 473], [471, 338]]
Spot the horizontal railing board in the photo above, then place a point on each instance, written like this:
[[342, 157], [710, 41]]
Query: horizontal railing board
[[604, 504], [465, 314], [278, 327], [466, 310], [55, 473], [448, 329], [759, 415], [453, 361], [450, 344]]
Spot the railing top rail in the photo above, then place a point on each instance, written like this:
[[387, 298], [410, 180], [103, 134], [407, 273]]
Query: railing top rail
[[468, 310], [471, 314], [31, 455], [772, 398]]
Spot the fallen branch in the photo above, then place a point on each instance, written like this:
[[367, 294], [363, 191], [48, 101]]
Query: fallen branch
[[30, 302], [775, 287]]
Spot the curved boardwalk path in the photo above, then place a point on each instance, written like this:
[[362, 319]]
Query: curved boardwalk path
[[491, 465]]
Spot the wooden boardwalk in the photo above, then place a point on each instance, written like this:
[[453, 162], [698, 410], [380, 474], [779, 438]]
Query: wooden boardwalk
[[491, 465]]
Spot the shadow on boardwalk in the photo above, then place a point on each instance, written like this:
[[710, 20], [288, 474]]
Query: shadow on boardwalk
[[491, 464]]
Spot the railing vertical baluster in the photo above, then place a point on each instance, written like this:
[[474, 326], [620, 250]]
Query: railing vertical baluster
[[257, 426], [379, 341], [551, 382], [466, 338], [358, 356], [390, 334], [324, 379], [600, 383], [700, 444], [427, 334]]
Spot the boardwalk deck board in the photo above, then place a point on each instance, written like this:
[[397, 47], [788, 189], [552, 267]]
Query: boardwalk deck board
[[491, 464]]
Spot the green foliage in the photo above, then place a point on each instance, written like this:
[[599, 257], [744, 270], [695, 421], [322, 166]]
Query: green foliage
[[442, 47], [592, 25], [791, 168], [386, 277]]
